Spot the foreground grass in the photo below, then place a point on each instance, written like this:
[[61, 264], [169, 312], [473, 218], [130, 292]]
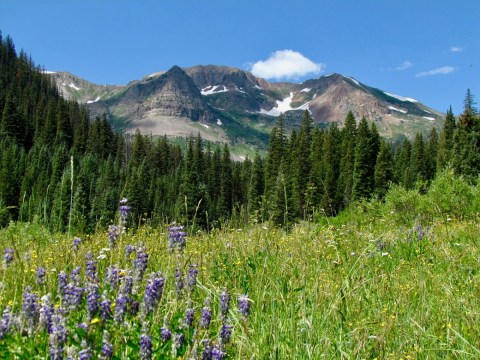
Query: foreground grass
[[366, 289]]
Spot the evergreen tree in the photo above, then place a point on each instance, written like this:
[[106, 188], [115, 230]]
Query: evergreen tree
[[383, 170], [347, 162], [446, 141]]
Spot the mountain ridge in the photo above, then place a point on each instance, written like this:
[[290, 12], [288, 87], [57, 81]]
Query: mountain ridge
[[227, 104]]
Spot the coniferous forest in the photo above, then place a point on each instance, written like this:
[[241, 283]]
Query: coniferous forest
[[65, 171]]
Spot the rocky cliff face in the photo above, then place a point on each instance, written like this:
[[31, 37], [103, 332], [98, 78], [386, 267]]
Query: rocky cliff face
[[229, 104]]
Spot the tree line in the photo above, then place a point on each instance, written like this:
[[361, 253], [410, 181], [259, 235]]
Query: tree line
[[61, 169]]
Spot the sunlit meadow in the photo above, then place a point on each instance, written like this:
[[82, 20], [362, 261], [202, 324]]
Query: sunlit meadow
[[389, 280]]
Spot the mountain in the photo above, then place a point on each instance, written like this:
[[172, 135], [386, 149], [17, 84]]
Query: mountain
[[227, 104]]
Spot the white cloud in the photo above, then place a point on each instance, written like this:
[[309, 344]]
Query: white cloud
[[438, 71], [286, 64], [404, 66], [456, 49]]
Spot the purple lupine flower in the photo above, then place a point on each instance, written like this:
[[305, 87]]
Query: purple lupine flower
[[76, 243], [105, 309], [93, 297], [206, 315], [91, 270], [124, 210], [145, 347], [8, 256], [62, 283], [127, 285], [153, 293], [179, 284], [129, 249], [5, 321], [113, 234], [58, 336], [244, 305], [40, 276], [140, 264], [86, 352], [207, 349], [30, 308], [226, 333], [217, 353], [46, 312], [224, 303], [120, 308], [73, 296], [107, 347], [189, 317], [178, 340], [75, 276], [83, 326], [165, 333], [112, 276], [176, 238], [192, 277]]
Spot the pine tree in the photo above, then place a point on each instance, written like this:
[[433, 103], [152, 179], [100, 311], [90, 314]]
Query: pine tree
[[347, 162], [446, 141], [383, 170]]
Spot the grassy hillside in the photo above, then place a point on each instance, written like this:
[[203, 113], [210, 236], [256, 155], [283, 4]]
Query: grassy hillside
[[389, 280]]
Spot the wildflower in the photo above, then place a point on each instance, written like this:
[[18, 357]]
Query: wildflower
[[165, 333], [120, 308], [76, 243], [46, 312], [153, 293], [207, 349], [217, 353], [133, 307], [8, 256], [113, 234], [62, 283], [86, 352], [92, 300], [189, 317], [127, 285], [58, 336], [40, 276], [107, 347], [112, 277], [124, 210], [105, 309], [206, 315], [179, 284], [5, 321], [129, 249], [145, 347], [83, 326], [225, 333], [91, 270], [192, 277], [140, 264], [176, 238], [30, 308], [224, 303], [75, 276], [73, 296], [244, 305]]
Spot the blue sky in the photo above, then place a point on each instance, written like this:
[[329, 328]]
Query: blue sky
[[425, 49]]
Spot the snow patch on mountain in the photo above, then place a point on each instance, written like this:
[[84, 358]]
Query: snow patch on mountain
[[401, 98], [93, 101], [73, 86], [428, 118], [355, 81], [219, 122], [209, 90], [396, 109], [283, 106], [305, 90]]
